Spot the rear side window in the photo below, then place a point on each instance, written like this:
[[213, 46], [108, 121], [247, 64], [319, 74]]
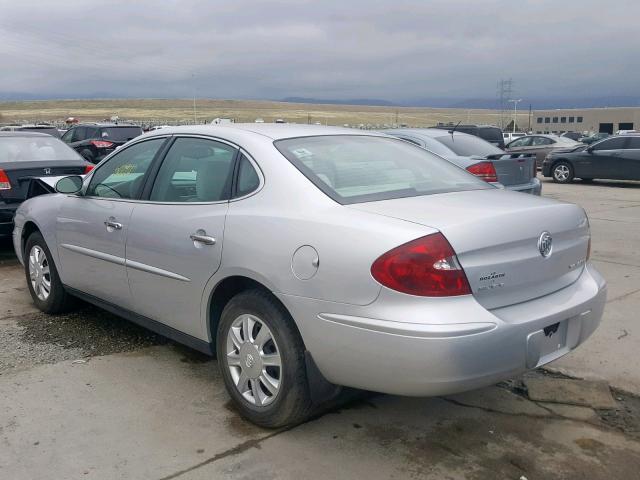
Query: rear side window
[[358, 168], [120, 134], [195, 170], [248, 179], [611, 144]]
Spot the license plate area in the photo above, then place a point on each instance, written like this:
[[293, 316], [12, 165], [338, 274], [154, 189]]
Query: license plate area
[[547, 344]]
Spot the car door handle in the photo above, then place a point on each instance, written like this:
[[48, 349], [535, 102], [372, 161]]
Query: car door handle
[[202, 238], [112, 224]]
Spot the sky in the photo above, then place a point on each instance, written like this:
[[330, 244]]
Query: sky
[[393, 50]]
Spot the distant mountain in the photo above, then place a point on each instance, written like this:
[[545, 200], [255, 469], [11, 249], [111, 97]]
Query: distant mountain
[[331, 101]]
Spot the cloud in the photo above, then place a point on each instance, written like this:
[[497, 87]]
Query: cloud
[[395, 50]]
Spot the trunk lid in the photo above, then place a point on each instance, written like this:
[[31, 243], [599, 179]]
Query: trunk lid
[[495, 234], [513, 169], [20, 174]]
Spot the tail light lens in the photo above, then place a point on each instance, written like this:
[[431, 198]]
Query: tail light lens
[[101, 144], [88, 168], [5, 184], [427, 267], [484, 170]]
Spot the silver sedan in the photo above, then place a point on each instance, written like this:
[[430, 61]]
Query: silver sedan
[[309, 258]]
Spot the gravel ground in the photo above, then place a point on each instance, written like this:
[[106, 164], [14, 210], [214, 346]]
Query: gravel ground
[[34, 339]]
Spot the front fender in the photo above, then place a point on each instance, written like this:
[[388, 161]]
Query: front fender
[[42, 213]]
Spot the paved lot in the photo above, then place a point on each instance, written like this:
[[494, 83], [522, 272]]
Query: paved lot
[[91, 396]]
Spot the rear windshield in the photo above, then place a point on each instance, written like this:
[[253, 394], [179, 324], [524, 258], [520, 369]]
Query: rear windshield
[[31, 149], [358, 168], [120, 134], [468, 145]]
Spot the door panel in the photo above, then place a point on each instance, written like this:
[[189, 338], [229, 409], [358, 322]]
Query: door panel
[[166, 268], [92, 254], [175, 243]]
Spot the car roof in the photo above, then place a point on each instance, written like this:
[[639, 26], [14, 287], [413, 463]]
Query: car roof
[[22, 133], [426, 132], [100, 124], [274, 131]]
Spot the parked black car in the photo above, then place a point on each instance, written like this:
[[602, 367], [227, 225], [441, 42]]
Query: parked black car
[[94, 141], [490, 133], [616, 157], [26, 157]]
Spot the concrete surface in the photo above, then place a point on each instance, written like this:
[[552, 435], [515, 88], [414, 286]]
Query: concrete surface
[[90, 396], [586, 393]]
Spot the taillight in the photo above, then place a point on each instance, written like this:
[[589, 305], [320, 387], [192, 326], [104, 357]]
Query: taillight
[[5, 184], [484, 170], [101, 144], [427, 267], [88, 168]]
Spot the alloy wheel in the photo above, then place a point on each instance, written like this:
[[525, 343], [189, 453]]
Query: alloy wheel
[[561, 172], [39, 273], [253, 360]]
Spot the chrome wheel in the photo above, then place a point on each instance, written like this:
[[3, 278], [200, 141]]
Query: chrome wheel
[[253, 360], [39, 273], [561, 172]]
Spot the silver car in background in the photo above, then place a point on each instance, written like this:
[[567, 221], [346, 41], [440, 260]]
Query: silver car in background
[[541, 145], [513, 171], [308, 258]]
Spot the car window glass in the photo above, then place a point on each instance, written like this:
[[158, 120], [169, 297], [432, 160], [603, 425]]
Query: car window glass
[[634, 142], [91, 132], [353, 168], [78, 134], [537, 141], [520, 142], [68, 135], [610, 144], [123, 174], [195, 170], [248, 179]]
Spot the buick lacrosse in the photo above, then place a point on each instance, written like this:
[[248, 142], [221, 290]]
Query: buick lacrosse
[[310, 258]]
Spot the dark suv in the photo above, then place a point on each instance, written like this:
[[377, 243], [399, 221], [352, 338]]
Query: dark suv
[[94, 141], [490, 133]]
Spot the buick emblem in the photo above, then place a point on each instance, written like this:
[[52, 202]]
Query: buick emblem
[[47, 171], [545, 244]]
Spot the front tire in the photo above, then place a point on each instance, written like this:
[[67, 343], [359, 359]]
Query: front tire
[[562, 172], [44, 283], [261, 358]]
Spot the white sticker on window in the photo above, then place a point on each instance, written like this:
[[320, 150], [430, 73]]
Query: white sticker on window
[[302, 152]]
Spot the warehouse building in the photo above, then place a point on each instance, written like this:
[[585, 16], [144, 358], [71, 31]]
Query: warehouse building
[[586, 120]]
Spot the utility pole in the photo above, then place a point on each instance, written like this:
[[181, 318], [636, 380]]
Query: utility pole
[[515, 112], [529, 119]]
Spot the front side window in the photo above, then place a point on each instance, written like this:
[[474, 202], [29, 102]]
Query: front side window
[[359, 168], [634, 143], [195, 170], [123, 174]]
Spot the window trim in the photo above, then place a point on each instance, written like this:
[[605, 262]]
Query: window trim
[[160, 152]]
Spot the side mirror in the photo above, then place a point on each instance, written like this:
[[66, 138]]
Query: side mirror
[[590, 149], [69, 185]]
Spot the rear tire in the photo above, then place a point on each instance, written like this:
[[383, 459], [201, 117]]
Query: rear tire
[[248, 365], [44, 283], [562, 172]]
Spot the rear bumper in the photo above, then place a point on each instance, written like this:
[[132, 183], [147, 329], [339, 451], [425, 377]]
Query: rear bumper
[[533, 187], [411, 346]]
